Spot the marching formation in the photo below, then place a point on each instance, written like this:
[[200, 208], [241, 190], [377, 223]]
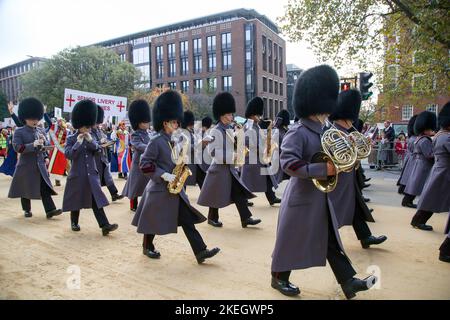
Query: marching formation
[[319, 154]]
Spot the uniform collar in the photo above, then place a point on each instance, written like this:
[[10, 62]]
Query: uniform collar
[[340, 127], [314, 126]]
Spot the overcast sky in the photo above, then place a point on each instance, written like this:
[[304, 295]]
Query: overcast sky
[[44, 27]]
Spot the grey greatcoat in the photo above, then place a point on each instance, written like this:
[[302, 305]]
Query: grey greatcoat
[[409, 161], [423, 160], [137, 181], [83, 181], [251, 173], [436, 192], [281, 175], [101, 159], [305, 212], [31, 165], [157, 213], [216, 190]]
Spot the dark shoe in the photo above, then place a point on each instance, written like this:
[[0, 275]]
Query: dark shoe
[[217, 224], [367, 179], [354, 285], [249, 204], [285, 287], [444, 258], [366, 243], [206, 254], [422, 226], [370, 210], [109, 228], [366, 199], [28, 214], [133, 209], [75, 227], [365, 186], [53, 213], [409, 205], [372, 167], [250, 222], [57, 183], [153, 254], [276, 200], [116, 197]]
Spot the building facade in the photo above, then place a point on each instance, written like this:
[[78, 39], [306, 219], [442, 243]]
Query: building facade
[[10, 77], [292, 74], [239, 51]]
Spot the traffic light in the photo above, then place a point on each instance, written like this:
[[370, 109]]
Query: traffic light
[[345, 86], [364, 85]]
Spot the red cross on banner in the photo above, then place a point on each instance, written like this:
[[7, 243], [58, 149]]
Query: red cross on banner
[[70, 100], [120, 106]]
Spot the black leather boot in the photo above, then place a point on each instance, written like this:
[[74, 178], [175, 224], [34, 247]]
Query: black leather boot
[[117, 196], [354, 285], [366, 243], [151, 253], [250, 222], [285, 287], [422, 226], [206, 254], [75, 227], [28, 214], [54, 213], [274, 201], [217, 224], [109, 228]]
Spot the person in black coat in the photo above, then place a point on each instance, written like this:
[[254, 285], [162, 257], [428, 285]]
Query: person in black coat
[[389, 135]]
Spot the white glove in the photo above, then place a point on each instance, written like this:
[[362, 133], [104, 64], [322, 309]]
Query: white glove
[[37, 143], [80, 137], [168, 177], [208, 138], [88, 137], [103, 141]]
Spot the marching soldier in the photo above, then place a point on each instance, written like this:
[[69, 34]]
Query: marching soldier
[[408, 162], [206, 158], [139, 115], [422, 159], [198, 176], [160, 212], [83, 189], [435, 196], [31, 179], [101, 158], [307, 232], [222, 185], [251, 175], [347, 199]]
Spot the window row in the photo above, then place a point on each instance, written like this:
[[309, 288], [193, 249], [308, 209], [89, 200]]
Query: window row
[[272, 57], [272, 86], [208, 85]]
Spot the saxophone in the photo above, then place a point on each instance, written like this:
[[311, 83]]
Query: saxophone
[[181, 170], [340, 151], [270, 147], [240, 149]]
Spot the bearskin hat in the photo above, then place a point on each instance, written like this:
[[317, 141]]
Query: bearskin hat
[[316, 91], [31, 109], [359, 125], [207, 122], [411, 125], [223, 103], [100, 114], [168, 106], [84, 114], [286, 116], [188, 120], [444, 116], [426, 120], [255, 107], [348, 105], [138, 112]]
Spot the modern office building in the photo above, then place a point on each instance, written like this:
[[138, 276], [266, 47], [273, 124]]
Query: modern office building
[[239, 51]]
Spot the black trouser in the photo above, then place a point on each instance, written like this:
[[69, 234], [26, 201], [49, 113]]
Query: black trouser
[[339, 263], [185, 220], [360, 177], [112, 190], [46, 196], [239, 200], [421, 217], [408, 198], [99, 214], [270, 194], [134, 203], [123, 174], [200, 176], [445, 247], [401, 189], [360, 226]]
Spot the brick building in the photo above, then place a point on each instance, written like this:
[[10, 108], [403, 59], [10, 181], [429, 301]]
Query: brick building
[[10, 76], [239, 51]]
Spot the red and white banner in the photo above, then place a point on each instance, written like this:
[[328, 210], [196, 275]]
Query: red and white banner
[[112, 105]]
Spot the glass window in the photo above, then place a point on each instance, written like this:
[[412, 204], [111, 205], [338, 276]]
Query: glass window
[[264, 84], [212, 63], [171, 51], [197, 64], [280, 61], [226, 41], [270, 86], [264, 54], [160, 70], [197, 46], [173, 85], [211, 40], [185, 86], [160, 53], [407, 112], [211, 85], [184, 66], [281, 89], [227, 83], [141, 55], [184, 48], [172, 68], [276, 87], [198, 85], [433, 108], [226, 60], [248, 58]]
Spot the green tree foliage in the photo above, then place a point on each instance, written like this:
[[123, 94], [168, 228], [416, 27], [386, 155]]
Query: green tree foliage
[[90, 69], [4, 113]]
